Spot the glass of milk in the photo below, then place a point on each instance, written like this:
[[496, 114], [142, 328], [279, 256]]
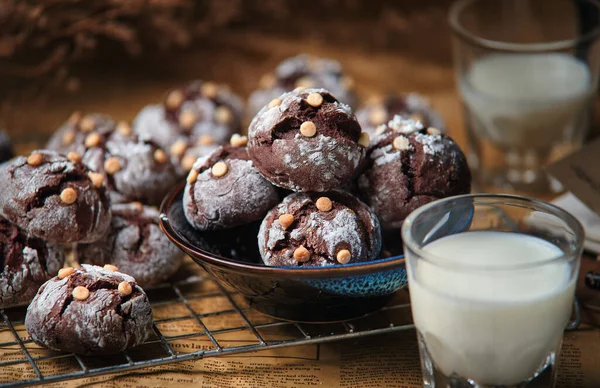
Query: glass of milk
[[526, 73], [491, 291]]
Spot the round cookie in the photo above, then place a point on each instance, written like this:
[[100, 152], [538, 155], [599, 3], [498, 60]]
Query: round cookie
[[26, 262], [54, 198], [380, 110], [199, 112], [184, 153], [408, 166], [90, 311], [6, 149], [306, 140], [224, 190], [135, 244], [72, 135], [303, 71], [319, 229]]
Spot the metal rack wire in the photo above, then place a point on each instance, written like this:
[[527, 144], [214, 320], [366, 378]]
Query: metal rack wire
[[195, 318]]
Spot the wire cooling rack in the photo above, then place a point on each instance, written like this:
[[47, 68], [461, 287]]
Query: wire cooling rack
[[194, 318]]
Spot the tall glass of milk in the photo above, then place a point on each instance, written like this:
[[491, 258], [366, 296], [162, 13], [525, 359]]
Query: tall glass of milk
[[491, 291], [526, 73]]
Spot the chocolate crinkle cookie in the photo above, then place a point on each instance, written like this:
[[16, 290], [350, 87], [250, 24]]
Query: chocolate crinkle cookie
[[80, 130], [306, 140], [26, 262], [379, 110], [225, 190], [91, 311], [303, 71], [135, 245], [408, 166], [319, 229], [54, 198], [199, 112], [6, 149]]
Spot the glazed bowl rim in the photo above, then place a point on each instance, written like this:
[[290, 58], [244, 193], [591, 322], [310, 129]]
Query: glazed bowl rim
[[204, 256]]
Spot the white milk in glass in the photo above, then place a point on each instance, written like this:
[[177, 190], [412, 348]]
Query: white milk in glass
[[491, 325]]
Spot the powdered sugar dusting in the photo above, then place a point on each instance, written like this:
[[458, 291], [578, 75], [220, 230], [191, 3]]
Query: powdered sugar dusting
[[342, 229], [405, 125], [385, 155], [432, 144]]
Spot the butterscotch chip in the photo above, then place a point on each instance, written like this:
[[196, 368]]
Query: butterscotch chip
[[324, 204], [87, 124], [219, 169], [68, 196], [138, 206], [74, 157], [112, 165], [267, 81], [188, 162], [187, 119], [74, 118], [210, 89], [305, 82], [64, 272], [301, 254], [160, 156], [223, 115], [92, 140], [308, 129], [68, 137], [401, 143], [314, 99], [124, 128], [178, 148], [125, 288], [417, 117], [433, 131], [110, 267], [206, 140], [174, 99], [364, 139], [274, 102], [238, 140], [343, 256], [285, 220], [192, 176], [378, 116], [96, 178], [35, 159], [81, 293]]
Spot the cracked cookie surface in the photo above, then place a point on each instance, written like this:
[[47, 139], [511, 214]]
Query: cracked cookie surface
[[90, 311]]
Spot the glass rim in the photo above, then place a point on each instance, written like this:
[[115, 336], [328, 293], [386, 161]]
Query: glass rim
[[570, 220], [458, 29]]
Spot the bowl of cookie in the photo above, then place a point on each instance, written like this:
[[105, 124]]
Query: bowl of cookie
[[302, 215]]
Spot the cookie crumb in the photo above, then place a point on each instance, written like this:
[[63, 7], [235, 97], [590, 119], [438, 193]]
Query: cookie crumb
[[223, 115], [401, 143], [285, 220], [219, 169], [187, 119], [206, 140], [364, 139], [74, 157], [96, 178], [81, 293], [112, 165], [178, 148], [301, 254], [308, 129], [160, 156], [343, 256], [124, 128], [314, 100], [87, 124], [324, 204], [35, 159], [192, 177], [65, 272], [274, 102], [238, 140], [125, 288], [174, 99], [68, 196], [92, 140], [210, 90], [110, 267]]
